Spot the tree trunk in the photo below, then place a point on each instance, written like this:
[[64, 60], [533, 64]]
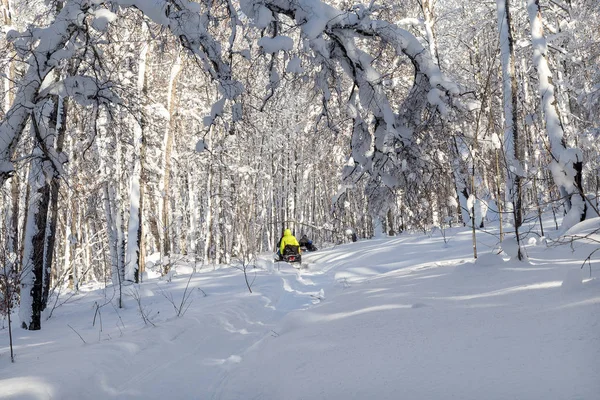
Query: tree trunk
[[33, 257], [35, 231], [193, 227], [219, 241], [390, 223], [117, 196], [74, 243], [208, 210], [427, 7], [514, 146], [564, 160], [61, 127], [12, 222], [167, 150], [133, 255]]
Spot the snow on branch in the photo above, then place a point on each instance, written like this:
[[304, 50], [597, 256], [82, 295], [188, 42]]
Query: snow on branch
[[275, 44], [316, 18], [45, 47], [188, 23], [85, 90], [331, 35], [567, 163], [50, 41], [102, 17]]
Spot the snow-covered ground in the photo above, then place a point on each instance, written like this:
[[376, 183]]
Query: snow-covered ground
[[407, 317]]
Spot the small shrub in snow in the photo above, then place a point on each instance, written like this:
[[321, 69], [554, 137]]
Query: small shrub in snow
[[243, 265], [145, 313], [186, 301]]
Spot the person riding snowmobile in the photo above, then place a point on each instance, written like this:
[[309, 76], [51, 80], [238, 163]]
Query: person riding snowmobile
[[306, 243], [286, 239]]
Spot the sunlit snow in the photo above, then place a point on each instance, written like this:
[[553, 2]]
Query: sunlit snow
[[409, 316]]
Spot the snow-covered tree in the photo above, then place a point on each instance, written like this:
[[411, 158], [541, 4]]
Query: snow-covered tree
[[200, 130], [567, 163], [514, 146]]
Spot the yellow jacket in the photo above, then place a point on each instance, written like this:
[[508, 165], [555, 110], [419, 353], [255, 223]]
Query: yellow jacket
[[287, 238]]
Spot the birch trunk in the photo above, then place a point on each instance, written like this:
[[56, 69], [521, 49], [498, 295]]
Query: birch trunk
[[530, 136], [567, 163], [513, 143], [61, 113], [74, 244], [193, 201], [6, 17], [167, 150], [67, 244], [119, 220], [33, 254], [87, 250], [427, 7], [133, 255], [12, 222], [208, 211], [459, 174], [12, 234], [218, 241], [110, 197], [35, 229], [110, 231]]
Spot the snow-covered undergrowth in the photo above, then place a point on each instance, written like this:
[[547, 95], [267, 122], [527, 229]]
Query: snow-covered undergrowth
[[404, 317]]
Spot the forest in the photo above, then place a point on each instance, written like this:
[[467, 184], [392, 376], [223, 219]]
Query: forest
[[198, 130]]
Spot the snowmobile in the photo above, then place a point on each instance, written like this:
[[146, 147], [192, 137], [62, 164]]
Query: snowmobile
[[306, 244], [291, 254], [308, 247]]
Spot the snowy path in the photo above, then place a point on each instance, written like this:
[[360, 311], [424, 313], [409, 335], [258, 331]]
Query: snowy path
[[373, 319], [429, 330]]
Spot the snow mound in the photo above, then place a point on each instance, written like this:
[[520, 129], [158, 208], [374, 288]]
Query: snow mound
[[488, 260], [586, 227], [573, 281], [485, 266], [264, 263], [150, 274], [511, 248]]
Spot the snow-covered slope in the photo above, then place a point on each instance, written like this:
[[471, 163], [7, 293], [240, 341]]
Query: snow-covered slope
[[406, 317]]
